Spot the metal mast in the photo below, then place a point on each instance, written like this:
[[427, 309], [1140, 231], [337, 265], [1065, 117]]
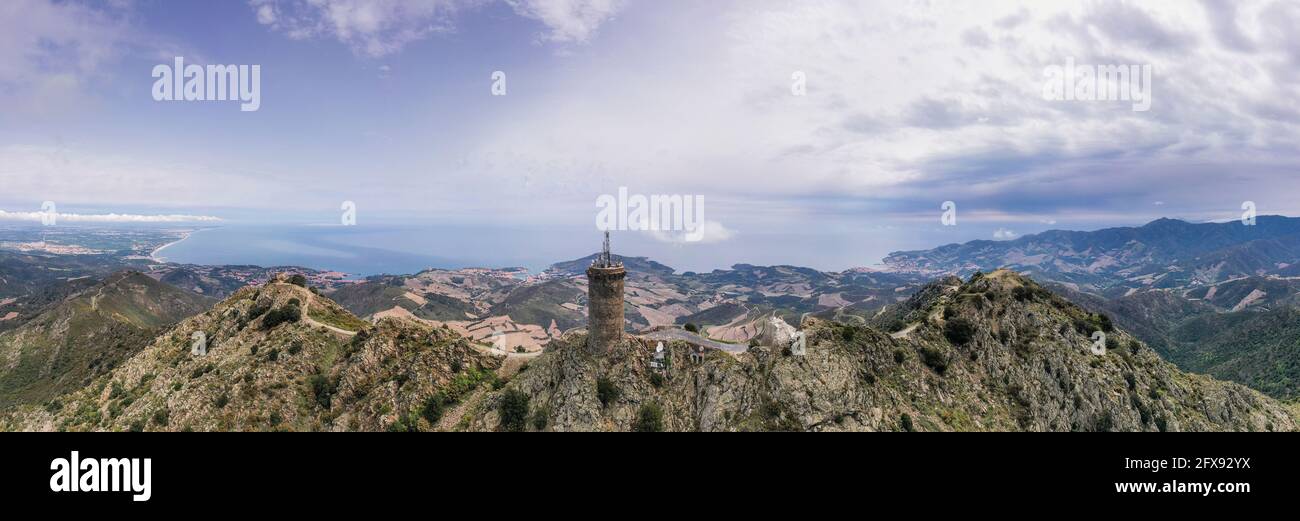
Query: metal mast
[[605, 260]]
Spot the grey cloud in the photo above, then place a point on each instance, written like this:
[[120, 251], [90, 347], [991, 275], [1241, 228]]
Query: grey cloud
[[1123, 22], [1222, 15], [976, 37]]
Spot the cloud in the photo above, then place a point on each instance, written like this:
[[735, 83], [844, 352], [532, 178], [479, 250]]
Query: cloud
[[372, 28], [78, 177], [1003, 234], [377, 28], [946, 105], [49, 50], [106, 218], [713, 232], [568, 21]]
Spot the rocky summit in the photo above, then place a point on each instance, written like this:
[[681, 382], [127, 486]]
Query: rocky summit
[[275, 357], [997, 352]]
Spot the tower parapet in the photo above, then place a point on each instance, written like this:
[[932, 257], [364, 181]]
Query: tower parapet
[[604, 301]]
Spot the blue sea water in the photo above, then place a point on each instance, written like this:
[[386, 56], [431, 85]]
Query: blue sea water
[[366, 250], [404, 249]]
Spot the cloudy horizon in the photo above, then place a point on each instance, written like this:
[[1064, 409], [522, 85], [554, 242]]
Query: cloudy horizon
[[853, 121]]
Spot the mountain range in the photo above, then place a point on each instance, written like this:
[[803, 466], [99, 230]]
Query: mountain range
[[102, 343]]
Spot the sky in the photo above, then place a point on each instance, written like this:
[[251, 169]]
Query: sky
[[820, 133]]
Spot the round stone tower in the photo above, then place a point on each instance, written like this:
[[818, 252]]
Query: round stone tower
[[604, 302]]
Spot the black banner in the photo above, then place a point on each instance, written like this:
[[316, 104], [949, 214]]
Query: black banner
[[322, 472]]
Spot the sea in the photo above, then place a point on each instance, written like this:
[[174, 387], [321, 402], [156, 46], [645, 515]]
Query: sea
[[406, 249]]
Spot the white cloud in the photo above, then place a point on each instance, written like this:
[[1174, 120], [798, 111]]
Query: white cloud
[[568, 21], [265, 14], [370, 27], [106, 218], [713, 232], [901, 106], [1003, 234], [49, 50], [377, 28], [74, 177]]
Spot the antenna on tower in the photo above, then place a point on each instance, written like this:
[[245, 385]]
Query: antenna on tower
[[604, 251]]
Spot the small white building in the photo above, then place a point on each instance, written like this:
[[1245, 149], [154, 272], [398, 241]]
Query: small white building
[[799, 347], [660, 360]]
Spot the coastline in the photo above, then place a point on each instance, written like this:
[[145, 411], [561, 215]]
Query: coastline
[[163, 260]]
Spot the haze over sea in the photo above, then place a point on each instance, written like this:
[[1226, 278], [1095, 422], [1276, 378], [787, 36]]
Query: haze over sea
[[404, 249]]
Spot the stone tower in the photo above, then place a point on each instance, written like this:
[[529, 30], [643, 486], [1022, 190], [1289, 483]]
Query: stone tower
[[604, 302]]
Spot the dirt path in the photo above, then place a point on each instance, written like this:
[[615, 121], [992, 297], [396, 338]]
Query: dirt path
[[451, 418], [515, 362], [510, 367], [905, 332], [306, 317]]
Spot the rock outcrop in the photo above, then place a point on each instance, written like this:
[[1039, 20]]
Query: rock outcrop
[[278, 357], [996, 353]]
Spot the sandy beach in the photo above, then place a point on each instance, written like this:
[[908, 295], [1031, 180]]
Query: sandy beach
[[154, 254]]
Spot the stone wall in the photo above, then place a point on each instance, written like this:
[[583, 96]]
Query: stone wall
[[604, 307]]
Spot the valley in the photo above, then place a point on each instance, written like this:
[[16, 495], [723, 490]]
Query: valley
[[80, 326]]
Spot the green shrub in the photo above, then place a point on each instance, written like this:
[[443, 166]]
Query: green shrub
[[403, 423], [290, 312], [606, 391], [692, 327], [1103, 322], [513, 410], [905, 421], [541, 417], [651, 419], [656, 380], [222, 400], [959, 331], [258, 309], [935, 358], [200, 371], [322, 389], [298, 280], [847, 333], [161, 417], [434, 407]]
